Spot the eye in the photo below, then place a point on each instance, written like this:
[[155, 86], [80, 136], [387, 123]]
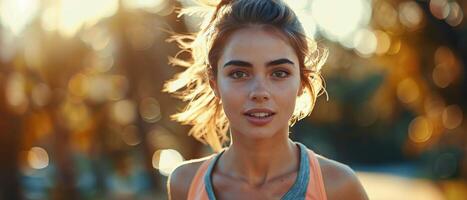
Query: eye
[[238, 74], [280, 74]]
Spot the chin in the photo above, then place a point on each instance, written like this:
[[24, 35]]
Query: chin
[[256, 133]]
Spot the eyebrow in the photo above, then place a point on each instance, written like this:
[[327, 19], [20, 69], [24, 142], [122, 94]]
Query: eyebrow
[[241, 63]]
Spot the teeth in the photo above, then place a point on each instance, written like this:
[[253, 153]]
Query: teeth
[[261, 114]]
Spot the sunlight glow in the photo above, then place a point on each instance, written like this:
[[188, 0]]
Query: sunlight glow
[[16, 14], [8, 45], [388, 186], [308, 24], [301, 9], [152, 6], [339, 18], [68, 16], [297, 5]]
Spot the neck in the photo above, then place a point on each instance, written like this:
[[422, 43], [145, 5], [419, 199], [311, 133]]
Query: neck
[[258, 161]]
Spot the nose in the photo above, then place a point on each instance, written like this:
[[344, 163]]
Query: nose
[[259, 92]]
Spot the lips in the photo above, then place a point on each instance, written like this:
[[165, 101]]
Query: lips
[[259, 116]]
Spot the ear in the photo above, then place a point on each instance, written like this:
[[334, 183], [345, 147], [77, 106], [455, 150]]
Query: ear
[[213, 84], [301, 90]]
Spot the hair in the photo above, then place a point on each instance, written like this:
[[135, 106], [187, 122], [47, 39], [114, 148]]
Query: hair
[[204, 110]]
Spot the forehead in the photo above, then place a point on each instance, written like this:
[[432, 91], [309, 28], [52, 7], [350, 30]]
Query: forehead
[[255, 44]]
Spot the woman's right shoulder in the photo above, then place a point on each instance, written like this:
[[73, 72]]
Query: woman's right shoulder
[[180, 179]]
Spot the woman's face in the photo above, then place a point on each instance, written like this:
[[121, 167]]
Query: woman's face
[[258, 80]]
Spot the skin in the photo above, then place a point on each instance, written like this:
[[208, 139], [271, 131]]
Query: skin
[[259, 69]]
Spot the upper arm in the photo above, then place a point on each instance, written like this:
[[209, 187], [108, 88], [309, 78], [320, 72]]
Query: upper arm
[[351, 188], [341, 181], [180, 179]]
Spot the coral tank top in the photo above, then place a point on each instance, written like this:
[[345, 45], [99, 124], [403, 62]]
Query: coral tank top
[[308, 185]]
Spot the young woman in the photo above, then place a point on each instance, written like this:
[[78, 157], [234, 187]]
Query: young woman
[[253, 73]]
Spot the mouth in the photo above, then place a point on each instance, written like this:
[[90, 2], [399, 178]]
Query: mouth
[[259, 114], [259, 117]]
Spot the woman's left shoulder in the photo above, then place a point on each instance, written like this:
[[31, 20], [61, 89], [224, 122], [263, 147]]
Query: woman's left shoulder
[[340, 181]]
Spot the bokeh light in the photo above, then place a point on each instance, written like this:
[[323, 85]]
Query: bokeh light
[[75, 114], [456, 15], [452, 116], [150, 110], [141, 36], [98, 88], [38, 158], [123, 112], [15, 92], [410, 14], [420, 129], [439, 8], [161, 137], [41, 94], [166, 160], [78, 85], [99, 63], [385, 15], [447, 69], [408, 90], [130, 135], [395, 47], [97, 37], [119, 87], [365, 42], [434, 106], [383, 42]]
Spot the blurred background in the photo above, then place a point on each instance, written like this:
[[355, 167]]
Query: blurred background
[[82, 115]]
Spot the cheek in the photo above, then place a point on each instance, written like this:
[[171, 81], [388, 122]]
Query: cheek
[[286, 95], [231, 98]]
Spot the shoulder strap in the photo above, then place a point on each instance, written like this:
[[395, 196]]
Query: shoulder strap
[[197, 189], [315, 190]]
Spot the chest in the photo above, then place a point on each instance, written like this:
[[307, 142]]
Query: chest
[[226, 188]]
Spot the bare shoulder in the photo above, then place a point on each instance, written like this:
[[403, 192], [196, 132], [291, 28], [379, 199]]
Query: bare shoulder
[[180, 179], [340, 181]]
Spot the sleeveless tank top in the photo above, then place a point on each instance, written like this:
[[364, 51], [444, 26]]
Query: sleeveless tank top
[[308, 185]]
